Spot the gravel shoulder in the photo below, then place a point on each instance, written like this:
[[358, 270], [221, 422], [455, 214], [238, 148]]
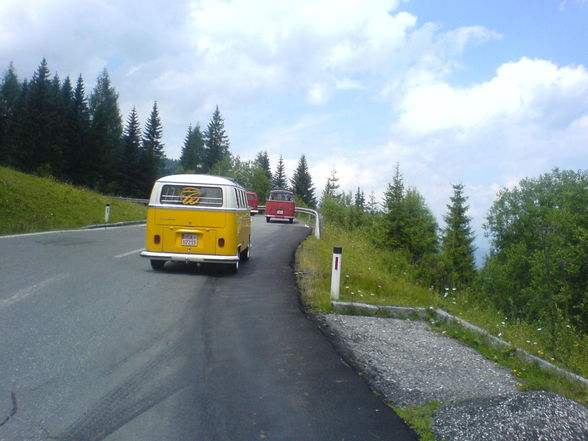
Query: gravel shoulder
[[410, 365]]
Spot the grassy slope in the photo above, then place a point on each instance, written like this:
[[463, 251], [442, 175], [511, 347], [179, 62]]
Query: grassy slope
[[371, 276], [29, 203]]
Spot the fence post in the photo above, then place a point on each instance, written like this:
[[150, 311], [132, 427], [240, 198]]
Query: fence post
[[107, 214], [336, 272]]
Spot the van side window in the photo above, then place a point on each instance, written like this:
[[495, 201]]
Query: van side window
[[192, 195], [238, 198]]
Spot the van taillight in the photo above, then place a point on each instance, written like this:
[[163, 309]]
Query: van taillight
[[221, 242], [156, 239]]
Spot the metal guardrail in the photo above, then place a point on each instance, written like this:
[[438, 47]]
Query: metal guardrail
[[300, 210], [135, 200]]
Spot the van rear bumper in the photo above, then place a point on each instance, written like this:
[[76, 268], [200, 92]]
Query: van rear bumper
[[179, 257]]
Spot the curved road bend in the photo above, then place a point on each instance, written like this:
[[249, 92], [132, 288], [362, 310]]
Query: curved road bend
[[97, 346]]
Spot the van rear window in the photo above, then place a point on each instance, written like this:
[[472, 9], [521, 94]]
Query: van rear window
[[192, 195], [284, 196]]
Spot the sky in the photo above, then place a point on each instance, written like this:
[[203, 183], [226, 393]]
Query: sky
[[482, 93]]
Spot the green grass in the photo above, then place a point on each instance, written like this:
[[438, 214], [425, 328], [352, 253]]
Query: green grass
[[370, 275], [30, 204], [420, 419]]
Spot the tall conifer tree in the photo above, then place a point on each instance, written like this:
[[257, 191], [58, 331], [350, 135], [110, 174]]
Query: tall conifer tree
[[131, 183], [216, 141], [81, 158], [39, 150], [457, 240], [192, 158], [10, 90], [280, 180], [152, 149], [302, 186], [105, 134], [262, 161]]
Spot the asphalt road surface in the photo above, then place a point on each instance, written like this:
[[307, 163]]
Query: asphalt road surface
[[95, 345]]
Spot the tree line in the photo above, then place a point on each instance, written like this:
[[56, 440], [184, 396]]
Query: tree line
[[537, 268], [51, 127]]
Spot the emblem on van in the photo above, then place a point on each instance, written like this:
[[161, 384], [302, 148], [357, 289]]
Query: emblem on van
[[190, 195]]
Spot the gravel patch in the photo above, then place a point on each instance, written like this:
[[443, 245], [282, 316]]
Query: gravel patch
[[536, 415], [410, 365]]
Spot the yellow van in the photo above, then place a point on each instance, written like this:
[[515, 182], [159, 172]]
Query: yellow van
[[197, 218]]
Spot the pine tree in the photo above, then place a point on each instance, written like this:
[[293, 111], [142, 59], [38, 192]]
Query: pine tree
[[262, 161], [10, 91], [302, 184], [39, 150], [360, 199], [408, 223], [67, 130], [105, 135], [332, 186], [80, 160], [280, 180], [192, 158], [216, 141], [457, 241], [153, 154], [131, 183], [188, 157]]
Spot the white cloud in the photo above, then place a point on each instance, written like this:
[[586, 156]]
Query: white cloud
[[521, 92]]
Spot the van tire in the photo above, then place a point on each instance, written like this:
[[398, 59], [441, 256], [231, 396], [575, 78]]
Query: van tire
[[245, 254], [291, 220], [267, 219], [157, 264], [233, 268]]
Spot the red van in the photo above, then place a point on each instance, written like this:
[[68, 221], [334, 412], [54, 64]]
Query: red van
[[280, 205], [253, 202]]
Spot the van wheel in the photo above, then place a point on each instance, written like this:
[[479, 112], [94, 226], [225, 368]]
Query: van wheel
[[157, 264], [244, 256], [291, 220], [233, 268], [267, 219]]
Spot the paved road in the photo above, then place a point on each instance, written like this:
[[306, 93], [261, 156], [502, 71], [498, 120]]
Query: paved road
[[97, 346]]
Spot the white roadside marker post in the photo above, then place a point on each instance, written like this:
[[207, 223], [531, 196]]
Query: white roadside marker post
[[336, 272], [107, 214]]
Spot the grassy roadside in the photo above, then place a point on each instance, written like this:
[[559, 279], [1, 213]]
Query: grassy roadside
[[29, 204], [372, 276]]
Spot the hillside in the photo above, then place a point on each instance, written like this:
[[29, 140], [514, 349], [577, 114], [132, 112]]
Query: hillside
[[30, 203]]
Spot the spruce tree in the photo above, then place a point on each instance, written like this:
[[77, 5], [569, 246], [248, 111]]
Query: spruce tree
[[332, 186], [80, 160], [10, 90], [262, 161], [131, 183], [105, 135], [457, 241], [280, 181], [68, 130], [215, 140], [153, 154], [39, 150], [302, 186], [360, 199], [408, 224], [192, 158]]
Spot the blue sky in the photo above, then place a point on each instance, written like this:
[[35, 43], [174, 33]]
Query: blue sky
[[474, 92]]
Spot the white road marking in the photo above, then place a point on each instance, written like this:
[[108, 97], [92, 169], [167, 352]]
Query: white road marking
[[79, 230], [129, 253], [30, 290]]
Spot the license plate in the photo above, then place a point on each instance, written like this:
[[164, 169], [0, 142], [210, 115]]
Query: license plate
[[189, 240], [280, 211]]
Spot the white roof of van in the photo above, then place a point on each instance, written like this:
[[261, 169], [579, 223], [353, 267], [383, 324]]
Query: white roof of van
[[197, 179]]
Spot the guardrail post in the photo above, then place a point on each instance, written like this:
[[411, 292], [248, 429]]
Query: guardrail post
[[107, 214], [336, 272]]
